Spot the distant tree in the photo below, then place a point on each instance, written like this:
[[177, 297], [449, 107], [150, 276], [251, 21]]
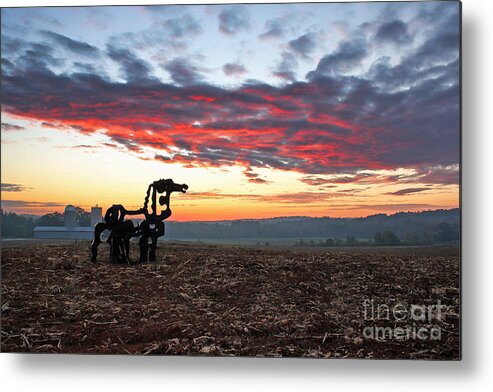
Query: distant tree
[[267, 244], [83, 217], [52, 219], [324, 227], [378, 239], [16, 226], [329, 242], [445, 233], [412, 238], [386, 238], [427, 238], [351, 240], [390, 238]]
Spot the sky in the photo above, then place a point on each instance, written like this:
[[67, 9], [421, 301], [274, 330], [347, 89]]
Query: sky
[[267, 110]]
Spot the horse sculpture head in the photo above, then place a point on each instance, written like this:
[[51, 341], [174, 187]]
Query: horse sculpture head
[[167, 187]]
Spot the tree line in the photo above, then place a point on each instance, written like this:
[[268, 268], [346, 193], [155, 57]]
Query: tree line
[[20, 226], [421, 228], [402, 225], [442, 233]]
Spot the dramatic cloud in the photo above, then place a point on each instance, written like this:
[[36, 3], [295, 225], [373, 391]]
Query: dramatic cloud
[[232, 69], [366, 178], [166, 36], [78, 47], [234, 19], [23, 203], [274, 28], [11, 127], [306, 198], [287, 67], [415, 207], [335, 127], [13, 187], [255, 125], [255, 178], [347, 56], [182, 27], [394, 32], [435, 59], [133, 68], [303, 45], [183, 72], [35, 56], [443, 175], [407, 191], [438, 175]]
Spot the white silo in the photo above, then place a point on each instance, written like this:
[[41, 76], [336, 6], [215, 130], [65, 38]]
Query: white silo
[[96, 215], [70, 216]]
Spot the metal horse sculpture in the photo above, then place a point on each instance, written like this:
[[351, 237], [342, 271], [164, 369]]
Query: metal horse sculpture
[[152, 227]]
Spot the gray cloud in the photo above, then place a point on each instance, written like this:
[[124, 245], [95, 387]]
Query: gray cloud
[[6, 187], [254, 178], [304, 45], [407, 191], [182, 27], [274, 28], [395, 32], [287, 66], [347, 56], [23, 203], [389, 207], [38, 56], [11, 127], [183, 72], [231, 69], [74, 46], [133, 68], [234, 19]]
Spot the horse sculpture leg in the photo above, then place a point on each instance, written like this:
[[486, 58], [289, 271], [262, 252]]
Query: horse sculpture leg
[[115, 248], [98, 229], [157, 232], [120, 242], [152, 249], [126, 243], [144, 241], [144, 248]]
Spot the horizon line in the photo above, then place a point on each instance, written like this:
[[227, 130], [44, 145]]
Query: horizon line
[[269, 218]]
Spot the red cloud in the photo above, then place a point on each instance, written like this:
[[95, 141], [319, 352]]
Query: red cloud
[[202, 98], [302, 126]]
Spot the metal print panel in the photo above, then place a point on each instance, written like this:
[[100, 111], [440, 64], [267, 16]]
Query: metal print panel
[[275, 180]]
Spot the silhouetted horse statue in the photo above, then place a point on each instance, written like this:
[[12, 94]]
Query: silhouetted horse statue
[[152, 227]]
